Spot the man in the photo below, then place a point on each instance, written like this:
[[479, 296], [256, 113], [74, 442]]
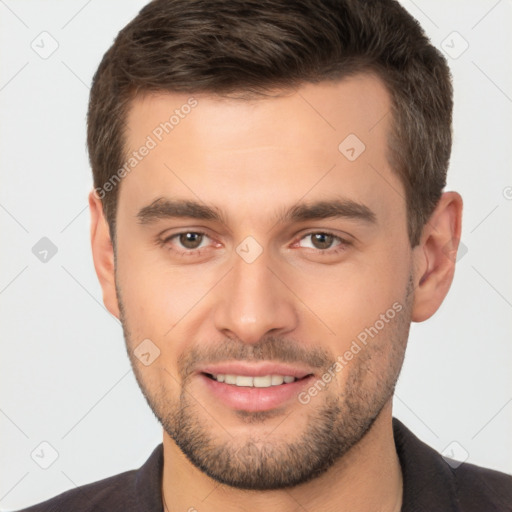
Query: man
[[268, 217]]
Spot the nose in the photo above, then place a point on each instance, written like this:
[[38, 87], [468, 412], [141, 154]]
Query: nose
[[254, 301]]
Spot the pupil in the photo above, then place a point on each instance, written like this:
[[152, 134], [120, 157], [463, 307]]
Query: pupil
[[191, 240], [322, 240]]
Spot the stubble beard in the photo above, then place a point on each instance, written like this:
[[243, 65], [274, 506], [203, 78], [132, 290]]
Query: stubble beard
[[332, 429]]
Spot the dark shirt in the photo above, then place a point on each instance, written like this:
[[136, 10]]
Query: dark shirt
[[431, 484]]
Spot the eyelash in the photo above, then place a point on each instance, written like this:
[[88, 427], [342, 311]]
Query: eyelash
[[341, 246]]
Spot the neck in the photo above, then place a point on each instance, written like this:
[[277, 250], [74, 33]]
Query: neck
[[368, 477]]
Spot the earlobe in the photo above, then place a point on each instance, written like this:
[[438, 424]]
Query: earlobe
[[103, 254], [435, 255]]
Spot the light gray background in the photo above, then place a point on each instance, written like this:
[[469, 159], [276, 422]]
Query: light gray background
[[65, 375]]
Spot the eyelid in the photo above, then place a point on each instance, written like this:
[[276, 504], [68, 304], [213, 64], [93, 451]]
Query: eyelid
[[343, 242], [168, 238]]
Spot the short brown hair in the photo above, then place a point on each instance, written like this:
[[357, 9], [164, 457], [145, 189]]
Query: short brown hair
[[253, 46]]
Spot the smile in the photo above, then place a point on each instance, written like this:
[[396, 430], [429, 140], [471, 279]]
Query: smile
[[253, 392], [264, 381]]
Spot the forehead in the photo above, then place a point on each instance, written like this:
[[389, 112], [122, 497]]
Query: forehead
[[355, 104], [309, 140]]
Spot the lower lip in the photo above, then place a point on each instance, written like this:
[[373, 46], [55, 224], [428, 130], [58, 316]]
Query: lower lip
[[248, 398]]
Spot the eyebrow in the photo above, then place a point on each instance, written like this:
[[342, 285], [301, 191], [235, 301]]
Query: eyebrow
[[162, 208]]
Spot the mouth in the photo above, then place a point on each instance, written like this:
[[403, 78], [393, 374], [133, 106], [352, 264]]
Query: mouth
[[254, 388], [262, 381]]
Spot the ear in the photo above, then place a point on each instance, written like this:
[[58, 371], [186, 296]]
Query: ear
[[435, 256], [103, 254]]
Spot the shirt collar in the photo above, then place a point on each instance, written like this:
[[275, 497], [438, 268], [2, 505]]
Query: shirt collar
[[427, 478]]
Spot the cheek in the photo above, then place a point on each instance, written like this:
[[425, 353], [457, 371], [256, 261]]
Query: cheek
[[159, 300], [348, 298], [143, 278]]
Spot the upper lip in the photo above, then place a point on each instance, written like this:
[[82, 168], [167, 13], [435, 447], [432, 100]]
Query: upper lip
[[255, 369]]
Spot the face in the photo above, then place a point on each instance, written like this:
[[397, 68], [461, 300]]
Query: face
[[258, 245]]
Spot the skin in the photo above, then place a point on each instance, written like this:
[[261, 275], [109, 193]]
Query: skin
[[252, 159]]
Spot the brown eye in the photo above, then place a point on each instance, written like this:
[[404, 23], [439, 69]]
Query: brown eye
[[324, 242], [321, 240], [188, 243], [191, 240]]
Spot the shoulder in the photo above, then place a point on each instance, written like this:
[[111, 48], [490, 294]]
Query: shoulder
[[480, 488], [111, 494], [137, 490], [435, 482]]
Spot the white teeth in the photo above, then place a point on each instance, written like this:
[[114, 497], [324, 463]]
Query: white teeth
[[243, 380], [263, 381], [277, 379]]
